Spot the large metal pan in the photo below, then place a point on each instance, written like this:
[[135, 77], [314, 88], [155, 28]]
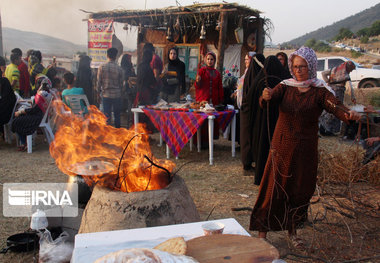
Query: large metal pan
[[22, 242]]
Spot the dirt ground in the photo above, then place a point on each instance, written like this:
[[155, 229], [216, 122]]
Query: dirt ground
[[330, 236]]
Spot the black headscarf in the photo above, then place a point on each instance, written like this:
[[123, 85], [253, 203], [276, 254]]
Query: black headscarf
[[84, 77], [283, 54], [178, 66], [253, 69]]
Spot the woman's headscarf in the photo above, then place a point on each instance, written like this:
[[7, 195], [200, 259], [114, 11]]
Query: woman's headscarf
[[43, 95], [176, 60], [213, 55], [310, 57]]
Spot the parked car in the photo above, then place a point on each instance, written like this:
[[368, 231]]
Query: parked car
[[360, 77]]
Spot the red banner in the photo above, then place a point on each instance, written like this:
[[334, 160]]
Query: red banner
[[99, 40]]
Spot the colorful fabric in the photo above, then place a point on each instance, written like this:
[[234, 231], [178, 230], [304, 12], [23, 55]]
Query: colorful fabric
[[310, 57], [13, 74], [177, 127], [341, 73]]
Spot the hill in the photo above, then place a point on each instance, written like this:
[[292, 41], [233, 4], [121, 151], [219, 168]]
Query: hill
[[47, 45], [353, 23]]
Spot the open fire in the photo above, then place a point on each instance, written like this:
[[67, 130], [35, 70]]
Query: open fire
[[118, 159]]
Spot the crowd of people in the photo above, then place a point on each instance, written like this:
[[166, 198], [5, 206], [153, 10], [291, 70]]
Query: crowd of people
[[283, 107]]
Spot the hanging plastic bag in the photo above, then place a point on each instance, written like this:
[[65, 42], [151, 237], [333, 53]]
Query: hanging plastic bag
[[55, 251]]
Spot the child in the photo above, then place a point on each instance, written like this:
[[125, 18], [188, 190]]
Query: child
[[69, 79]]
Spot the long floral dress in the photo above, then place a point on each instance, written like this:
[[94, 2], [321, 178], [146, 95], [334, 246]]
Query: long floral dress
[[290, 173]]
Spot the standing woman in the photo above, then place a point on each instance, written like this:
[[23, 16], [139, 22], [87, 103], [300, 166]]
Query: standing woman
[[208, 87], [272, 74], [290, 173], [174, 86], [246, 135], [336, 78], [283, 58], [208, 82], [147, 91], [240, 82], [129, 93], [84, 78]]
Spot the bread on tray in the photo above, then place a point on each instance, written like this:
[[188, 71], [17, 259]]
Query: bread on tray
[[175, 245]]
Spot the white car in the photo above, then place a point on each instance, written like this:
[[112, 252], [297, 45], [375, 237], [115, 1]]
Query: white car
[[360, 77]]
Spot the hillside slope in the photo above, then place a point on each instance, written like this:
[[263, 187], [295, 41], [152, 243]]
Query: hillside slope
[[353, 23], [47, 45]]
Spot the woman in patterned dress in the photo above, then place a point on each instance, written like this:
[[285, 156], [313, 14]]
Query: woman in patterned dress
[[290, 173]]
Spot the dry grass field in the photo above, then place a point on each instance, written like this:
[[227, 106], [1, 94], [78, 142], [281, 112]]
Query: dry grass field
[[343, 222]]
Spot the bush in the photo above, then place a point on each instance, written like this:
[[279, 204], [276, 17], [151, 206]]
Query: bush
[[374, 100], [364, 40], [355, 54], [318, 46]]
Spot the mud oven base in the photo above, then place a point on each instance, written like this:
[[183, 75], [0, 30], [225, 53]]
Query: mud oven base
[[114, 210]]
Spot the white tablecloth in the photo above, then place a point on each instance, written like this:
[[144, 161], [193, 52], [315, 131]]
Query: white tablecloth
[[91, 246]]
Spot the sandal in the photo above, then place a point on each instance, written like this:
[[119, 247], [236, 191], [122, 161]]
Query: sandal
[[297, 242]]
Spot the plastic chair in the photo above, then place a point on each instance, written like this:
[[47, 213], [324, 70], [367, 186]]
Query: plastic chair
[[45, 125], [77, 103]]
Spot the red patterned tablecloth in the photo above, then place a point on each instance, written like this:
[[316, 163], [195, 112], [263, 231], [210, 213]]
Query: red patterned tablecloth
[[177, 127]]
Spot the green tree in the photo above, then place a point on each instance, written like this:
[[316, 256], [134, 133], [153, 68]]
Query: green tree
[[364, 39], [310, 42], [319, 46], [344, 33], [363, 32], [375, 29]]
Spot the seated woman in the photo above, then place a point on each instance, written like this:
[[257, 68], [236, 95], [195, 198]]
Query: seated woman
[[27, 121], [7, 100]]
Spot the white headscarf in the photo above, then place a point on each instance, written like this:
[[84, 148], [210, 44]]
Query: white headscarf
[[310, 57]]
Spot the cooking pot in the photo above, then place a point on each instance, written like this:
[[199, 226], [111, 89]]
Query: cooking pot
[[22, 242]]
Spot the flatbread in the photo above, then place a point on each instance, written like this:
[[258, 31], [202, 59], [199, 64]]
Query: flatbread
[[144, 255], [175, 245]]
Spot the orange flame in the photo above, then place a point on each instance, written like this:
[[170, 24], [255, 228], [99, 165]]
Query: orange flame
[[80, 140]]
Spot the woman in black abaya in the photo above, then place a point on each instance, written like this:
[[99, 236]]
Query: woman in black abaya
[[272, 74], [245, 113]]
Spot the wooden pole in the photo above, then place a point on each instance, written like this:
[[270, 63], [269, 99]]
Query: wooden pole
[[222, 41]]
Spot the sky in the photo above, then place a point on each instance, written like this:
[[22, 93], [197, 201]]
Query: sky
[[63, 18]]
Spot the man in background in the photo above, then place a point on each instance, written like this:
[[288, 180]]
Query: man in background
[[24, 74], [109, 86], [12, 73]]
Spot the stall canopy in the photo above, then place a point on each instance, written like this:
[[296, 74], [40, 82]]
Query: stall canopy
[[217, 24]]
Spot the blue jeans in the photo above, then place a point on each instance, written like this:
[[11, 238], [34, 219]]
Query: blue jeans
[[114, 105]]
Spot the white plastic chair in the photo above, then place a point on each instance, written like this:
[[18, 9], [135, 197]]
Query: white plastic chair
[[45, 125], [74, 102]]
